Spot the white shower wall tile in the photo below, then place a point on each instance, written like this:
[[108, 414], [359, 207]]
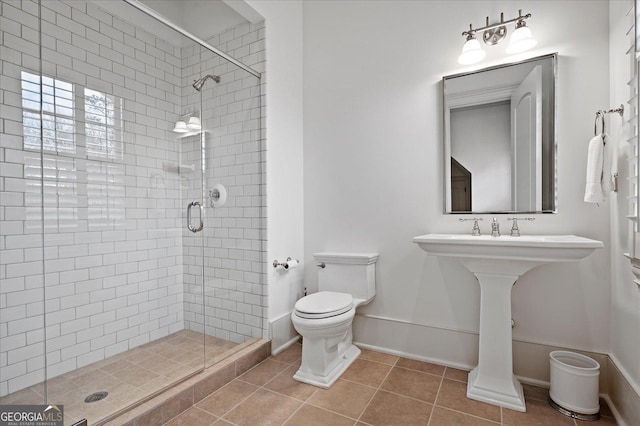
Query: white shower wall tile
[[234, 155], [113, 252]]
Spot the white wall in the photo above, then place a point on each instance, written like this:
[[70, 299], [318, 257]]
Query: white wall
[[283, 21], [373, 169], [625, 295], [481, 138]]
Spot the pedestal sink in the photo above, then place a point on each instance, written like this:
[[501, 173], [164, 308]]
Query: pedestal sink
[[498, 262]]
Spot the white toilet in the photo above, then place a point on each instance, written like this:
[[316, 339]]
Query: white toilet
[[324, 319]]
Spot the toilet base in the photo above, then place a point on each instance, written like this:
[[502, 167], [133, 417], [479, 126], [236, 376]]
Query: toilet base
[[326, 381]]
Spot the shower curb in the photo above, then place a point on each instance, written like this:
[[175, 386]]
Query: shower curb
[[179, 398]]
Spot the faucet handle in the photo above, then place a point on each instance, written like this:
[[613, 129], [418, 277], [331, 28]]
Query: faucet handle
[[515, 231], [476, 228]]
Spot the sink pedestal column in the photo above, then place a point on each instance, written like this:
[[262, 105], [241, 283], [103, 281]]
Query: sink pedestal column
[[492, 381]]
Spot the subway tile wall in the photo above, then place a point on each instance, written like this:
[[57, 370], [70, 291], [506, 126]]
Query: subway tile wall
[[120, 269], [235, 240]]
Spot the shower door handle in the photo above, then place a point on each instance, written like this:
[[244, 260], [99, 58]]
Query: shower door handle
[[191, 228]]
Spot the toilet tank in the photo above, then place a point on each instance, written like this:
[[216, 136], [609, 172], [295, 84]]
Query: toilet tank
[[353, 273]]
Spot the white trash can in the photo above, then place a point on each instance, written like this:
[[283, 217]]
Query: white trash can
[[574, 385]]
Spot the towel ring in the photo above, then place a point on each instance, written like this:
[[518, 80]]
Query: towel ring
[[600, 113]]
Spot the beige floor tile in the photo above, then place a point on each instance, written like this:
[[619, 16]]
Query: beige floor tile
[[223, 422], [604, 421], [308, 415], [135, 375], [31, 395], [94, 379], [223, 400], [412, 383], [538, 413], [367, 372], [444, 417], [453, 395], [138, 355], [193, 417], [391, 409], [71, 375], [117, 365], [123, 394], [344, 397], [263, 408], [71, 395], [285, 384], [169, 351], [425, 367], [378, 357], [157, 363], [455, 374], [263, 372], [290, 355]]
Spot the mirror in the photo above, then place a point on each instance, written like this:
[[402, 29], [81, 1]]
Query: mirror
[[499, 138]]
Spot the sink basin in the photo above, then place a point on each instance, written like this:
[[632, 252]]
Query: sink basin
[[497, 263], [530, 250]]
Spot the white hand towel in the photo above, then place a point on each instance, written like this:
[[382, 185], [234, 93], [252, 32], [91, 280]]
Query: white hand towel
[[598, 182], [607, 182]]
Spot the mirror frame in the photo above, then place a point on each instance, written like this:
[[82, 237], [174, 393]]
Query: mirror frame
[[447, 139]]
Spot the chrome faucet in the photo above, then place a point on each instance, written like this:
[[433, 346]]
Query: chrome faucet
[[515, 231], [476, 229], [495, 228]]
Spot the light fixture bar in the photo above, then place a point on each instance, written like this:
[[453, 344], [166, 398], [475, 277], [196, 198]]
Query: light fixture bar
[[502, 23]]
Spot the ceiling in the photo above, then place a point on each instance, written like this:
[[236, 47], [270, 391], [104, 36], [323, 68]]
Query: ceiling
[[202, 18]]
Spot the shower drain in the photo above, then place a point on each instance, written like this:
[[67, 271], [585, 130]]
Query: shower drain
[[97, 396]]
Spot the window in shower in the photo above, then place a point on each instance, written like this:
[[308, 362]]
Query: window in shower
[[57, 123], [103, 125], [62, 141]]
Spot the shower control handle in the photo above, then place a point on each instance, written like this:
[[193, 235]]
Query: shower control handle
[[192, 228]]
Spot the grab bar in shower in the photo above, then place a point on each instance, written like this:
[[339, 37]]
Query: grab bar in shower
[[191, 228]]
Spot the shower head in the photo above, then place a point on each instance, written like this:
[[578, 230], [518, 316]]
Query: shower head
[[197, 84]]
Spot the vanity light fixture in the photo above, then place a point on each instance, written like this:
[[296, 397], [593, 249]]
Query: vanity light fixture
[[193, 125], [492, 34]]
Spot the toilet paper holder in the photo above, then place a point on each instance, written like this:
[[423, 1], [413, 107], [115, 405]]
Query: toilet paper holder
[[287, 264]]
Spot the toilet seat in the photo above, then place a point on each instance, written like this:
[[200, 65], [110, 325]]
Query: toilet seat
[[323, 304]]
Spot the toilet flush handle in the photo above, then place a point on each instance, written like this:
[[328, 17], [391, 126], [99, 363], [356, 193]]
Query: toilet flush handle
[[321, 265]]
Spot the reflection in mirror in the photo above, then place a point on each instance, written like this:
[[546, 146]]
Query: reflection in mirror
[[500, 138]]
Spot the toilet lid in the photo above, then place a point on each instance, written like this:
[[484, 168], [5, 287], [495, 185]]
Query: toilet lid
[[323, 304]]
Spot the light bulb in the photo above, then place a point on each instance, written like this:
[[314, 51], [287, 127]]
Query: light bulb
[[194, 124], [471, 52], [521, 39], [180, 127]]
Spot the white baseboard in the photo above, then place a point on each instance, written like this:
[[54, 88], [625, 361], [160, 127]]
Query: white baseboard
[[457, 348], [282, 333], [624, 394]]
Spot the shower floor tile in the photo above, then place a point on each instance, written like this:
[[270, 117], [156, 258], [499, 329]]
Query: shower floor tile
[[397, 391], [128, 377]]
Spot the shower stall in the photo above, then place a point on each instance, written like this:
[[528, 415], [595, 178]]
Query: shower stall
[[132, 207]]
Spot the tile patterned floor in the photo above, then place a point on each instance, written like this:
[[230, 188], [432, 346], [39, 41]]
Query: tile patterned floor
[[128, 377], [377, 389]]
